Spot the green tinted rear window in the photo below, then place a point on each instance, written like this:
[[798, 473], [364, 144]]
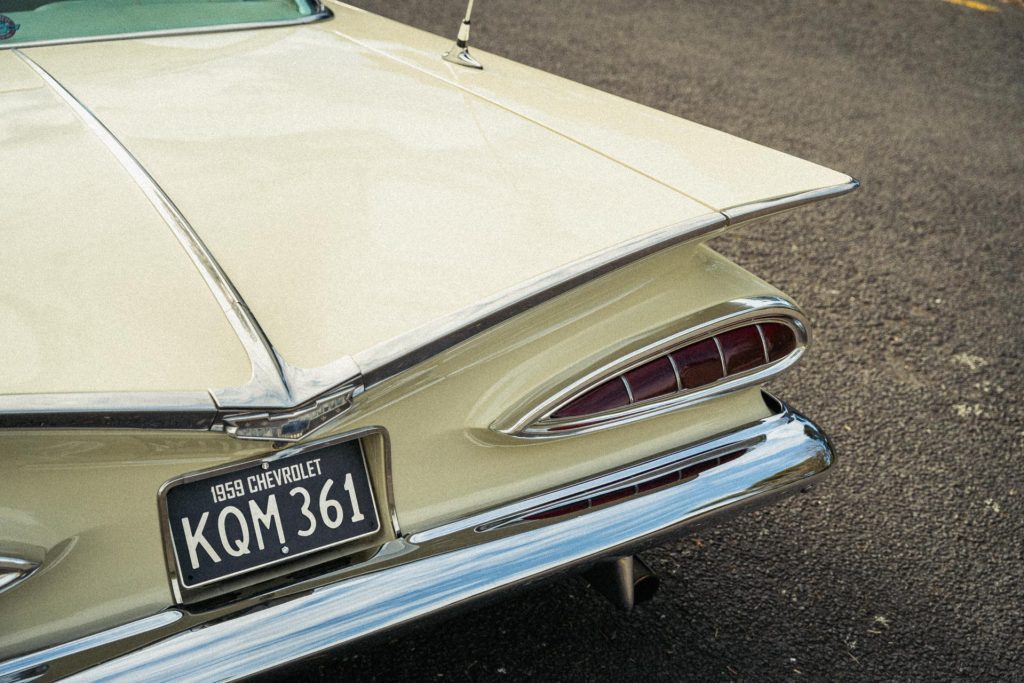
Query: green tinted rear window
[[29, 21]]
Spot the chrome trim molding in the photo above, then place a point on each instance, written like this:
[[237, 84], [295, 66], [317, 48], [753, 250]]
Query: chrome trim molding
[[268, 385], [392, 357], [675, 371], [290, 426], [746, 439], [451, 565], [767, 207], [154, 410], [764, 343], [274, 384], [14, 570], [535, 421], [721, 356], [283, 387], [629, 389], [37, 664], [321, 14]]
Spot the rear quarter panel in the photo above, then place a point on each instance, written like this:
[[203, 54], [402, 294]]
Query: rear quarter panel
[[90, 497]]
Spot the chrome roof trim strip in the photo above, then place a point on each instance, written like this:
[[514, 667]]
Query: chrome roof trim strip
[[767, 207], [268, 386], [321, 14]]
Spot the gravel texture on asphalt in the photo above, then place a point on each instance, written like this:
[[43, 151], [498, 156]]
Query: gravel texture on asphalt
[[906, 564]]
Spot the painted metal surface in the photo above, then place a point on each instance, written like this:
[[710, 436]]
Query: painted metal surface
[[334, 166], [303, 159], [414, 578], [98, 295], [267, 384], [715, 168], [438, 417], [316, 173]]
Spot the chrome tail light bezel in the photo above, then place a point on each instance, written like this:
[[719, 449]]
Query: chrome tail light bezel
[[537, 422]]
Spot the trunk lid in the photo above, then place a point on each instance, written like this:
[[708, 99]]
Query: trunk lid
[[97, 295], [355, 187]]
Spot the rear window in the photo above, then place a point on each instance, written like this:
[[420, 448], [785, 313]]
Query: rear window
[[31, 21]]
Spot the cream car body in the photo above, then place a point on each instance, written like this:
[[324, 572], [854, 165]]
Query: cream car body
[[237, 223]]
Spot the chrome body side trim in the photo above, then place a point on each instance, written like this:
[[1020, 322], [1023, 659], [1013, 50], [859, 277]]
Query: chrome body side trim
[[278, 386], [37, 664], [767, 207], [321, 14], [437, 569], [151, 410], [392, 357], [536, 422], [14, 570]]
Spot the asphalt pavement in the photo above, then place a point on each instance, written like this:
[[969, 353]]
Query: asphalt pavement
[[907, 563]]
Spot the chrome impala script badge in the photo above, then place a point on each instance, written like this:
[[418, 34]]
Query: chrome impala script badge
[[7, 27]]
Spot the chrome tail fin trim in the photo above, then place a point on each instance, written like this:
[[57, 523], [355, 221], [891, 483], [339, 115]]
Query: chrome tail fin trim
[[534, 417]]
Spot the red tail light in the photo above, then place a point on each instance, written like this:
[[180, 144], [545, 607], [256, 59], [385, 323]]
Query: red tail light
[[699, 364], [689, 472], [742, 349], [779, 340], [656, 378], [678, 372], [605, 396]]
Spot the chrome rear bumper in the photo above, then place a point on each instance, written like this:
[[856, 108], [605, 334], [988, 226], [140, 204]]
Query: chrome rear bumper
[[434, 570]]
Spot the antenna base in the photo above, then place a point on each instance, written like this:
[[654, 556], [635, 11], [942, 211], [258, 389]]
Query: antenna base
[[460, 55]]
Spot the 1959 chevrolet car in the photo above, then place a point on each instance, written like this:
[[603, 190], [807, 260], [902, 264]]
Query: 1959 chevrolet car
[[310, 329]]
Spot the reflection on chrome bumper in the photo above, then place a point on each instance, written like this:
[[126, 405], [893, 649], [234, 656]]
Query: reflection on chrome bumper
[[436, 569]]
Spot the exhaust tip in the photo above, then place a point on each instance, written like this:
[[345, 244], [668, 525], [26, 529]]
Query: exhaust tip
[[645, 582], [625, 581]]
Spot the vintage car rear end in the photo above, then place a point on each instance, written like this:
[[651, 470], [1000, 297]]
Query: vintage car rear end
[[309, 334]]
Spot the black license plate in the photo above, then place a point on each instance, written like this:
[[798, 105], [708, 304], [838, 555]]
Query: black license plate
[[237, 521]]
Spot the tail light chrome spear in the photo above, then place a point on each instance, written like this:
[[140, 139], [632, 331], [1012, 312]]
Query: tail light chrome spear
[[736, 345]]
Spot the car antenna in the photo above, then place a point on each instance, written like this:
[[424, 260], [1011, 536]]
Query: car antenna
[[459, 54]]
